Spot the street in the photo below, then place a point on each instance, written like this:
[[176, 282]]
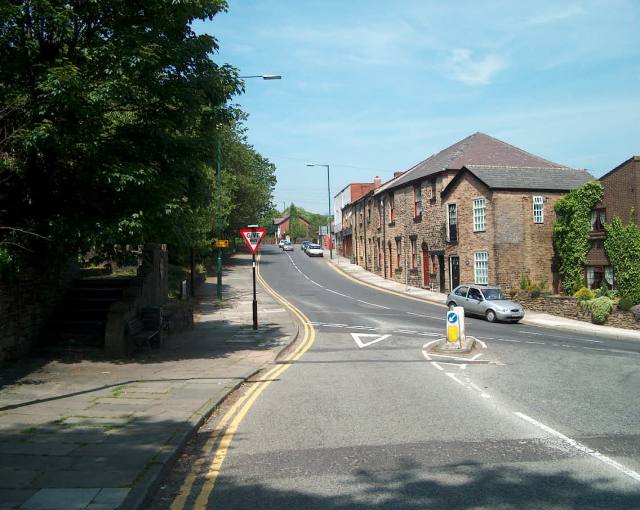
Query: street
[[369, 418]]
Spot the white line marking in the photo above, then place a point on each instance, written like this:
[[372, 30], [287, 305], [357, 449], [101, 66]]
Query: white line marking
[[427, 316], [582, 448], [408, 331], [373, 304], [361, 344], [507, 340], [476, 356], [480, 390], [368, 328], [435, 364], [429, 334], [316, 283], [338, 293], [530, 332], [537, 343], [484, 345], [485, 337], [455, 378]]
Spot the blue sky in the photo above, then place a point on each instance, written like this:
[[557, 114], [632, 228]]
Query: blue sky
[[374, 86]]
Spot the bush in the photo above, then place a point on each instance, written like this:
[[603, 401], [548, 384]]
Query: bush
[[535, 291], [600, 309], [625, 303], [525, 281], [584, 294]]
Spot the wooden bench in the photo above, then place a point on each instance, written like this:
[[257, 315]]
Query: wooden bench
[[146, 330]]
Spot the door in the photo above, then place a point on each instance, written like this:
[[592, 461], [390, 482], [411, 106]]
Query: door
[[441, 272], [454, 271], [425, 267], [390, 262]]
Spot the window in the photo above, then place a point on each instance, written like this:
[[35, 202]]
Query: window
[[479, 215], [369, 212], [392, 208], [398, 252], [598, 219], [380, 213], [461, 291], [417, 201], [475, 294], [481, 266], [538, 209], [453, 222], [413, 253]]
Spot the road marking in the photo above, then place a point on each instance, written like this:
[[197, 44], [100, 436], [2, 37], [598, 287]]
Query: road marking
[[618, 351], [229, 423], [339, 293], [316, 283], [373, 304], [408, 331], [582, 448], [537, 343], [530, 332], [455, 378], [425, 316], [377, 338], [484, 345]]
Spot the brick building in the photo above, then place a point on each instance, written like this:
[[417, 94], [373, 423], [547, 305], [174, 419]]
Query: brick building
[[402, 229], [351, 192], [621, 198], [282, 226]]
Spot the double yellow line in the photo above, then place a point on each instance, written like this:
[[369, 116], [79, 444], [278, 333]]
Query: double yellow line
[[222, 436]]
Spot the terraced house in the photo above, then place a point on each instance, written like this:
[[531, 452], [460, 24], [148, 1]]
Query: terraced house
[[479, 211]]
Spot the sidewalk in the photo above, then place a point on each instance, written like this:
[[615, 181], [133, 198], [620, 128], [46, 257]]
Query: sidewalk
[[99, 434], [532, 318]]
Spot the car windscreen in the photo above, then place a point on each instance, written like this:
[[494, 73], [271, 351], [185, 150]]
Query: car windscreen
[[314, 246], [493, 294]]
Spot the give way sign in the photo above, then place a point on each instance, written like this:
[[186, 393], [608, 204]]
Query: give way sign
[[253, 236]]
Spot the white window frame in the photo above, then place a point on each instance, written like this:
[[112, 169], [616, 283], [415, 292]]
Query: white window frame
[[479, 214], [538, 209], [448, 205], [481, 267]]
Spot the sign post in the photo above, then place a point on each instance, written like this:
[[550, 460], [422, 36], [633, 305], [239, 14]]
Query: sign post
[[252, 236]]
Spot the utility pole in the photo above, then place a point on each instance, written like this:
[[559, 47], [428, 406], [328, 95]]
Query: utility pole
[[219, 216]]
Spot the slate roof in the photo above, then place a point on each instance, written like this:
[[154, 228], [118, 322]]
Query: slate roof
[[278, 221], [477, 149], [530, 178]]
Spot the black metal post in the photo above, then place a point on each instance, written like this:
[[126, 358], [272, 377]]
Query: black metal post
[[255, 299]]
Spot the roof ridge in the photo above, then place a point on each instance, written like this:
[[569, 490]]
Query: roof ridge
[[520, 150], [522, 166]]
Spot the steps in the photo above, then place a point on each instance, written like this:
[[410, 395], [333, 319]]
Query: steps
[[82, 316]]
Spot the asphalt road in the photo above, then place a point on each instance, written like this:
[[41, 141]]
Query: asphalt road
[[367, 418]]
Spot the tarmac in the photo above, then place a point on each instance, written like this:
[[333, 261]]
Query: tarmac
[[532, 318], [81, 432]]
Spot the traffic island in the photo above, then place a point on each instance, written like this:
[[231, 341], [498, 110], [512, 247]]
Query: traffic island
[[464, 345]]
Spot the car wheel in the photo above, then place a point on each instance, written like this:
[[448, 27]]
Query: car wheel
[[451, 305], [491, 316]]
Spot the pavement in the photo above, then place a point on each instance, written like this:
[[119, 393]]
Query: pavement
[[80, 432], [532, 318]]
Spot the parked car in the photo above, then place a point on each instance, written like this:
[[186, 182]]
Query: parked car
[[314, 250], [304, 245], [281, 243], [287, 246], [488, 302]]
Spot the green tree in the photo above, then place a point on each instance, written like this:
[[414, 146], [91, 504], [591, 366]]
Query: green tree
[[571, 232], [109, 114]]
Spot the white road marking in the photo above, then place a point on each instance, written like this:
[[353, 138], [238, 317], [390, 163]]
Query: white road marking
[[484, 345], [377, 338], [507, 340], [316, 283], [435, 364], [408, 331], [426, 316], [581, 447], [537, 343], [429, 334], [531, 333], [338, 293], [455, 378], [373, 304]]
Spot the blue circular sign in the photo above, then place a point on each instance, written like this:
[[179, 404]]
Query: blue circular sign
[[452, 317]]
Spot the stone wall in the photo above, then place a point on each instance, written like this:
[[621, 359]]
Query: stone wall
[[28, 303], [567, 306]]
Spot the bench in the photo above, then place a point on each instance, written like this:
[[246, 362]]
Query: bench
[[146, 330]]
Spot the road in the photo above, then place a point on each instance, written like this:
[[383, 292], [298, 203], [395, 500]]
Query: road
[[367, 418]]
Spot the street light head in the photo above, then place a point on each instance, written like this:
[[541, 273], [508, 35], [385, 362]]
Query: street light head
[[271, 77], [311, 164]]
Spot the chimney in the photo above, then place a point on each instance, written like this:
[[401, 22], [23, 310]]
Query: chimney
[[377, 182], [397, 173]]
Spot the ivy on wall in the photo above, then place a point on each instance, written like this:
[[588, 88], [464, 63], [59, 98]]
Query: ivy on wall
[[623, 250], [571, 232]]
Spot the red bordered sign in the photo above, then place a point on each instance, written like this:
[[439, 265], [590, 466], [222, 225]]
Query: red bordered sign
[[253, 236]]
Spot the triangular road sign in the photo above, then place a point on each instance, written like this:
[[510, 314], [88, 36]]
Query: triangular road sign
[[253, 236], [372, 339]]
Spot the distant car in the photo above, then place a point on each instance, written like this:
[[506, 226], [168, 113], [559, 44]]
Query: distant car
[[281, 243], [314, 250], [488, 302], [304, 245], [287, 246]]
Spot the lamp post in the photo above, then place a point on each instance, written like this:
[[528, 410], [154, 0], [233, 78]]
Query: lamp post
[[329, 218], [219, 192]]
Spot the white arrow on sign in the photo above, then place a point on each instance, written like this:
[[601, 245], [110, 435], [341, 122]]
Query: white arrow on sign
[[376, 338]]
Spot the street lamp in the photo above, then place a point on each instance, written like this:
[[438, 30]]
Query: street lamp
[[263, 76], [329, 218], [219, 192]]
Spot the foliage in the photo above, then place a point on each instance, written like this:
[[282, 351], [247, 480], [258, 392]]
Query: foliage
[[535, 291], [114, 110], [296, 230], [625, 303], [622, 246], [525, 281], [584, 294], [571, 232], [600, 309]]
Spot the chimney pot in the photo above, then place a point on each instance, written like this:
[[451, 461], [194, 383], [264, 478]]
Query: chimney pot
[[397, 173], [377, 182]]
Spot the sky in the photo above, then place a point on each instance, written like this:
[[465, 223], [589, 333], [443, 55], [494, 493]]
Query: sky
[[370, 87]]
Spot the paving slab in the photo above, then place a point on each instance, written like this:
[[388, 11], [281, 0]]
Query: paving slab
[[96, 434]]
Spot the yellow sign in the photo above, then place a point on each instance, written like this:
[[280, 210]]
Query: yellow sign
[[453, 333], [222, 243]]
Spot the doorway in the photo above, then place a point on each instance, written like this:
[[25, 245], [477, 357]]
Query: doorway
[[454, 272], [425, 267]]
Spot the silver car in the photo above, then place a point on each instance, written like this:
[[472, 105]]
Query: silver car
[[489, 302]]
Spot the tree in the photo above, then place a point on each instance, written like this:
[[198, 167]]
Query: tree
[[109, 114], [622, 245]]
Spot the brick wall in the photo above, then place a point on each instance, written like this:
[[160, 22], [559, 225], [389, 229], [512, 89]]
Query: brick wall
[[621, 193], [28, 303]]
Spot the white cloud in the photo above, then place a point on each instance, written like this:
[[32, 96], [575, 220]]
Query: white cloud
[[569, 11], [474, 72]]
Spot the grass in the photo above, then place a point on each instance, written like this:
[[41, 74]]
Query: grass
[[117, 391]]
